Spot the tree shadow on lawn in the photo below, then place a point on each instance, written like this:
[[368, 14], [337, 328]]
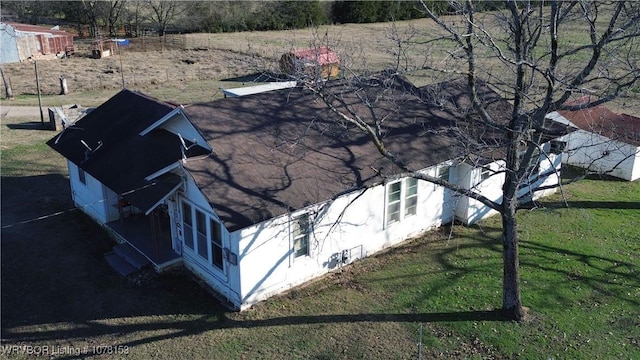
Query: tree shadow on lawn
[[587, 204]]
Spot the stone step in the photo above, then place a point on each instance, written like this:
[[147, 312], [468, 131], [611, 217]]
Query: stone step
[[119, 264], [131, 255]]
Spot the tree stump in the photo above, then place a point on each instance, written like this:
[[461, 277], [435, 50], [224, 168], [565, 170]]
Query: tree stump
[[64, 90]]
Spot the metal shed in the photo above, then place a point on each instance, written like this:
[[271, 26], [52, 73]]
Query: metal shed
[[319, 62], [19, 42]]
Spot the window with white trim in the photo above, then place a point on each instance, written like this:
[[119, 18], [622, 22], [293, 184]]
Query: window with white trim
[[442, 172], [187, 224], [300, 229], [201, 233], [402, 199], [485, 173], [393, 202], [216, 245], [411, 197]]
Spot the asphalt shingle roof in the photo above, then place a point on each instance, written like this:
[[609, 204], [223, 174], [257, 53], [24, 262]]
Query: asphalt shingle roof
[[125, 158], [283, 150]]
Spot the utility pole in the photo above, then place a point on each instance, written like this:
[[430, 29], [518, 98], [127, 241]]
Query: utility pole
[[35, 64]]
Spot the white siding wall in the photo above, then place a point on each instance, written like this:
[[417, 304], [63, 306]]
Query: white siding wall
[[88, 197], [267, 262], [600, 154], [635, 174], [469, 211], [355, 225], [549, 164]]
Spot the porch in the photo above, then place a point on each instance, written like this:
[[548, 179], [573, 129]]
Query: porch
[[150, 235]]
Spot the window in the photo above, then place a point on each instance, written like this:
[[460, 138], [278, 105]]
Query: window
[[393, 202], [485, 174], [187, 223], [300, 232], [208, 242], [402, 199], [201, 231], [216, 245], [82, 176], [411, 197], [442, 172]]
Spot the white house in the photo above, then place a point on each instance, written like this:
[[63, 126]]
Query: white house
[[603, 142], [260, 193]]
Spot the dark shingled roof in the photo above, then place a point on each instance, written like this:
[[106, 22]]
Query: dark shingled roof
[[125, 158], [283, 150]]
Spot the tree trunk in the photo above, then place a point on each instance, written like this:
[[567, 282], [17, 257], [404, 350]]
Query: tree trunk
[[7, 84], [511, 301]]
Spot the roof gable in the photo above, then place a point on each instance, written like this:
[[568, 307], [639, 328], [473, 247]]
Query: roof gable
[[107, 145]]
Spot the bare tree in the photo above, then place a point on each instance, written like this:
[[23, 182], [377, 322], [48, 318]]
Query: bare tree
[[520, 50], [93, 12], [164, 12], [116, 8]]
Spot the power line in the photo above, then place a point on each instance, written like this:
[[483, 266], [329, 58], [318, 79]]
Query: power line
[[43, 217]]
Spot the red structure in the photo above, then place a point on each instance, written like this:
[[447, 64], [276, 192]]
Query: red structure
[[321, 60], [21, 42]]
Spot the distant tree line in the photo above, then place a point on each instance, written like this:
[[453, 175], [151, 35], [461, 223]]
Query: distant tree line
[[131, 17]]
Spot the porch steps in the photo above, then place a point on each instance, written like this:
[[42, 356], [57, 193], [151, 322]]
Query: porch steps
[[131, 255], [119, 264], [125, 259]]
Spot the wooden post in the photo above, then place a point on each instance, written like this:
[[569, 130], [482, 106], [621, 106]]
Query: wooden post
[[7, 84], [64, 90], [35, 64]]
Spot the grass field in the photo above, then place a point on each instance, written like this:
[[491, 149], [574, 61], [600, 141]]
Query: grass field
[[580, 269], [224, 60]]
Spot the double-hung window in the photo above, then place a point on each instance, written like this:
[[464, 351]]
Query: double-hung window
[[201, 232], [442, 172], [187, 223], [410, 196], [402, 199], [485, 173], [300, 233], [216, 245], [394, 198]]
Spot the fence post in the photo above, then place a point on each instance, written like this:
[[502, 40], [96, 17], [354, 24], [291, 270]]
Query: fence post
[[64, 90], [420, 344]]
